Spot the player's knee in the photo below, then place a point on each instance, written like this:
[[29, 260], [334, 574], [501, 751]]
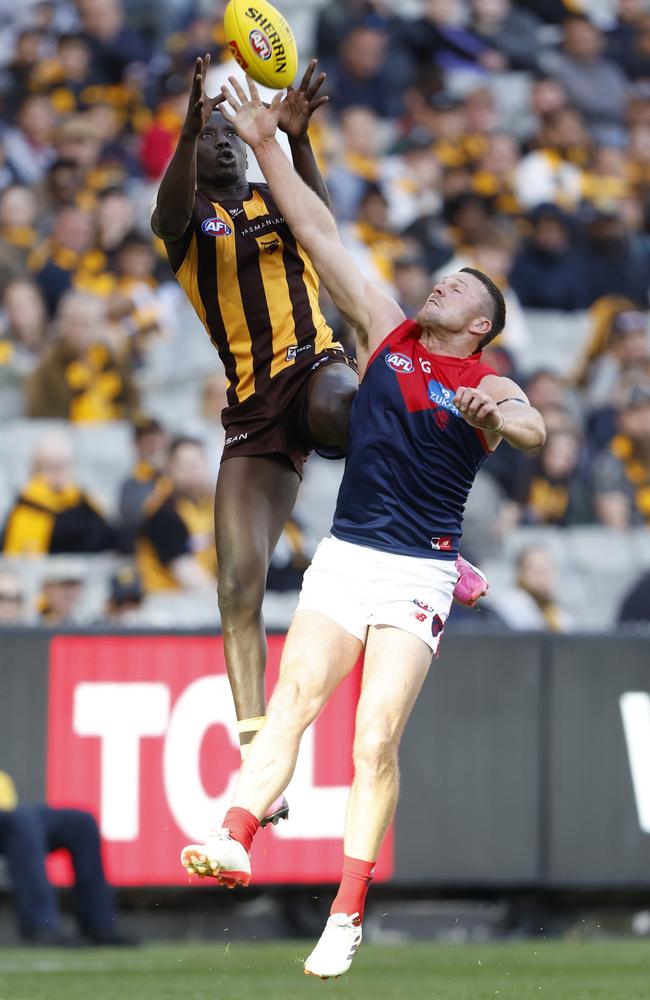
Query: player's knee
[[293, 705], [375, 749], [329, 409], [240, 595]]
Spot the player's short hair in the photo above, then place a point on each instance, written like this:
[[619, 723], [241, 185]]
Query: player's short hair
[[498, 318]]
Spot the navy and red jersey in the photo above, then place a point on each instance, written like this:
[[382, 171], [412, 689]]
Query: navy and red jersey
[[412, 458]]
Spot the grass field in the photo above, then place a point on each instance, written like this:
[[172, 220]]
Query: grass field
[[593, 970]]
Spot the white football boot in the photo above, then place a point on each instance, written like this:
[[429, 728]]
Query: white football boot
[[221, 857], [336, 948]]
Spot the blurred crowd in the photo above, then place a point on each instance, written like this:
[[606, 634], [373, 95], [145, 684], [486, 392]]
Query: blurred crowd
[[510, 137]]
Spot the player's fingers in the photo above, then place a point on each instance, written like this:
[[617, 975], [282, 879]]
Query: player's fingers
[[276, 102], [316, 85], [307, 75], [226, 114], [239, 90], [475, 405], [462, 397], [484, 412], [215, 101], [252, 89], [230, 97], [313, 105]]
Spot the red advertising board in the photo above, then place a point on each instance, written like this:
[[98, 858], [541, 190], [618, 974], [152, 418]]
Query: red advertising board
[[141, 732]]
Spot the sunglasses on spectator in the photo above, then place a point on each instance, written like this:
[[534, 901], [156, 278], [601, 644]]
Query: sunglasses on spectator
[[10, 597]]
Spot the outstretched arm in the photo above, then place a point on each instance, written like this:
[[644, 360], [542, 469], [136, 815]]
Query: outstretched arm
[[175, 201], [295, 113], [368, 309], [500, 408]]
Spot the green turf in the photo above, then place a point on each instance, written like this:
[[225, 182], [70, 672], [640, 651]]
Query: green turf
[[591, 970]]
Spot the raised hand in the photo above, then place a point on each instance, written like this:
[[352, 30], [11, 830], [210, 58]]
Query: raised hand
[[478, 409], [299, 105], [252, 120], [200, 106]]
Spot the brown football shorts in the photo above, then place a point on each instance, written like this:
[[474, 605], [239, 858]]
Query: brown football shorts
[[273, 423]]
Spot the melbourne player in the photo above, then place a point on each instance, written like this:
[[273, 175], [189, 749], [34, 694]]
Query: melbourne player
[[290, 386], [426, 416]]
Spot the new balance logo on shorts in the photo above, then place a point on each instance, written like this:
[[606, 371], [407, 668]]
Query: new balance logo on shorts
[[442, 543]]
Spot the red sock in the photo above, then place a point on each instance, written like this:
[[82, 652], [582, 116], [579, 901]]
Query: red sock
[[242, 825], [351, 897]]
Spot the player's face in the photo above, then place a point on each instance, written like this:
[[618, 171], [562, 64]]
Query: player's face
[[220, 153], [456, 305]]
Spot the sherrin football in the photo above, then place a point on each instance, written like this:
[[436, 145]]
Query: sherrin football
[[262, 42]]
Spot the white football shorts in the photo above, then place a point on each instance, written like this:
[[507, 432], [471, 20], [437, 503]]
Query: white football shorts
[[357, 587]]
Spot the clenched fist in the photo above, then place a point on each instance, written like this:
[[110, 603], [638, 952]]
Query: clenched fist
[[478, 409]]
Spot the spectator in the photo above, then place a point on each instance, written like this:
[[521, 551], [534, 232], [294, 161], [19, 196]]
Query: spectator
[[553, 171], [114, 46], [495, 176], [619, 346], [371, 239], [64, 187], [635, 609], [338, 16], [136, 302], [558, 491], [18, 234], [507, 29], [68, 260], [628, 43], [469, 219], [594, 84], [358, 163], [549, 271], [364, 75], [150, 440], [617, 258], [81, 378], [440, 35], [61, 594], [125, 598], [175, 545], [532, 604], [28, 145], [68, 76], [52, 514], [19, 73], [22, 338], [411, 180], [622, 473], [12, 602], [159, 139], [28, 833], [412, 282], [114, 220]]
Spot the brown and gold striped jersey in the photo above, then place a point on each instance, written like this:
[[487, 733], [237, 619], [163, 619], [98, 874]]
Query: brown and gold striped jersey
[[253, 287]]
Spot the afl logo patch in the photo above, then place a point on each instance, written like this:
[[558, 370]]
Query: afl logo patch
[[216, 227], [260, 44], [399, 363]]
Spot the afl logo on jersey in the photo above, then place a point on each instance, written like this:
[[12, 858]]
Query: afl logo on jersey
[[400, 363], [216, 227]]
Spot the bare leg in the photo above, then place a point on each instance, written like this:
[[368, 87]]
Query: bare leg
[[310, 672], [254, 498], [396, 665]]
